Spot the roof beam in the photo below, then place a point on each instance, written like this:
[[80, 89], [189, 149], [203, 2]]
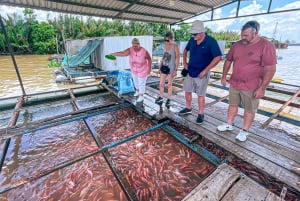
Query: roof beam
[[133, 2], [120, 11], [198, 4]]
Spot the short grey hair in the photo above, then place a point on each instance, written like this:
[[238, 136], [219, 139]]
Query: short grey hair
[[254, 25], [135, 40]]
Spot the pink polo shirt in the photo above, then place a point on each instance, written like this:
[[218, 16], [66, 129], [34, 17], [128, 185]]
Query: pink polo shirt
[[249, 62], [138, 62]]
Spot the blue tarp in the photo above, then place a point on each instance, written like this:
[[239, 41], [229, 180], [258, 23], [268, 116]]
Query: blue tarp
[[83, 54], [121, 81]]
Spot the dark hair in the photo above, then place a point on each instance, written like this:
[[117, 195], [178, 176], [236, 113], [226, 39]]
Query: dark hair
[[169, 35], [251, 24]]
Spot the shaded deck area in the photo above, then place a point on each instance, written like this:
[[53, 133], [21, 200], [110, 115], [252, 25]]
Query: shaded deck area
[[272, 153], [259, 169]]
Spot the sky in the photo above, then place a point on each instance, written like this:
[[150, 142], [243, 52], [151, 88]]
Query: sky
[[288, 23]]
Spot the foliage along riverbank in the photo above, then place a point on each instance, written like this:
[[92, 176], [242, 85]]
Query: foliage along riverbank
[[29, 36]]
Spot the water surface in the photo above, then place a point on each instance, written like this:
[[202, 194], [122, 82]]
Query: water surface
[[35, 74]]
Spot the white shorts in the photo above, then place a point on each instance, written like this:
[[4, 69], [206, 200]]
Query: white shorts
[[139, 83]]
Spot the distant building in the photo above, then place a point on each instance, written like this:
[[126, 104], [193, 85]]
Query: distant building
[[278, 44]]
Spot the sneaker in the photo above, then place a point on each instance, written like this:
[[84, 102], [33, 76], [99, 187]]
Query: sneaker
[[225, 127], [168, 103], [242, 136], [159, 100], [140, 99], [136, 93], [185, 111], [200, 119]]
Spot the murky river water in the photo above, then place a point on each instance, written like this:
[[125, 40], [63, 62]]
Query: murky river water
[[35, 74]]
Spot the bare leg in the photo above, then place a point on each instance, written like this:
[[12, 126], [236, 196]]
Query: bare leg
[[188, 99], [248, 119], [232, 111], [201, 103], [170, 82], [162, 84]]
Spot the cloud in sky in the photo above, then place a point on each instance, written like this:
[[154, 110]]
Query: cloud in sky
[[288, 23], [40, 14]]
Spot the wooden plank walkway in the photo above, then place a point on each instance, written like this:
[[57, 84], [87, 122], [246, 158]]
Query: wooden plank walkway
[[228, 184], [273, 154]]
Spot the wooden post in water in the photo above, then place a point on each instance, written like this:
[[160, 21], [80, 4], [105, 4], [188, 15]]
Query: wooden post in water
[[12, 122]]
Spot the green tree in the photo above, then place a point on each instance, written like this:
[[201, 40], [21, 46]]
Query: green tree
[[44, 38], [27, 35], [182, 32], [28, 27]]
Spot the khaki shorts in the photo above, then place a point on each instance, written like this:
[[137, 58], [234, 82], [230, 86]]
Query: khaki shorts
[[246, 98], [196, 84]]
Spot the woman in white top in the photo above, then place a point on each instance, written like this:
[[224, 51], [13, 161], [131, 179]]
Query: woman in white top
[[168, 66]]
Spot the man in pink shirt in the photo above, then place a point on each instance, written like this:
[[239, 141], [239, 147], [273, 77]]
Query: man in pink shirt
[[140, 65], [254, 65]]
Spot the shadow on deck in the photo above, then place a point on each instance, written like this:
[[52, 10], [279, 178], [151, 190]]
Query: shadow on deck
[[269, 156]]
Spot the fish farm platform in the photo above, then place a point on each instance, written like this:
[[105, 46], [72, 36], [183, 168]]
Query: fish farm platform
[[92, 143]]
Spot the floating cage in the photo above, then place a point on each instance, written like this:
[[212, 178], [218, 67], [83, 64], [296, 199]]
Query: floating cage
[[88, 143], [107, 151]]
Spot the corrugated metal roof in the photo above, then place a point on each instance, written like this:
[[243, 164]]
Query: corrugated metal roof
[[158, 11]]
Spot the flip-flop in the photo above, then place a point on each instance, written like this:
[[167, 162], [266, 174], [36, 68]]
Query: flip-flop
[[110, 57]]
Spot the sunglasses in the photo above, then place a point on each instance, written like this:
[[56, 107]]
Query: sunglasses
[[167, 40], [194, 34]]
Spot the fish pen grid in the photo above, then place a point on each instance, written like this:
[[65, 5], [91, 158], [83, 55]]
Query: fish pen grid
[[66, 170]]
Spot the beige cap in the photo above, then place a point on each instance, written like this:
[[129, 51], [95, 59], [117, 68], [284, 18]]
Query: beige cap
[[135, 40], [197, 27]]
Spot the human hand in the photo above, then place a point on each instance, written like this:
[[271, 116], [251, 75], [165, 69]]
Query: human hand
[[185, 65], [223, 81], [202, 74], [259, 93]]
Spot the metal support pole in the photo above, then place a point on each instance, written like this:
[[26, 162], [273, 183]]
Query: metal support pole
[[12, 55]]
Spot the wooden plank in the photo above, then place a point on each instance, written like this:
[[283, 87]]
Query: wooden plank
[[264, 139], [246, 189], [215, 120], [285, 118], [256, 150], [13, 120], [255, 145], [216, 101], [145, 106], [215, 185], [282, 90], [228, 143], [280, 109], [295, 105], [279, 141]]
